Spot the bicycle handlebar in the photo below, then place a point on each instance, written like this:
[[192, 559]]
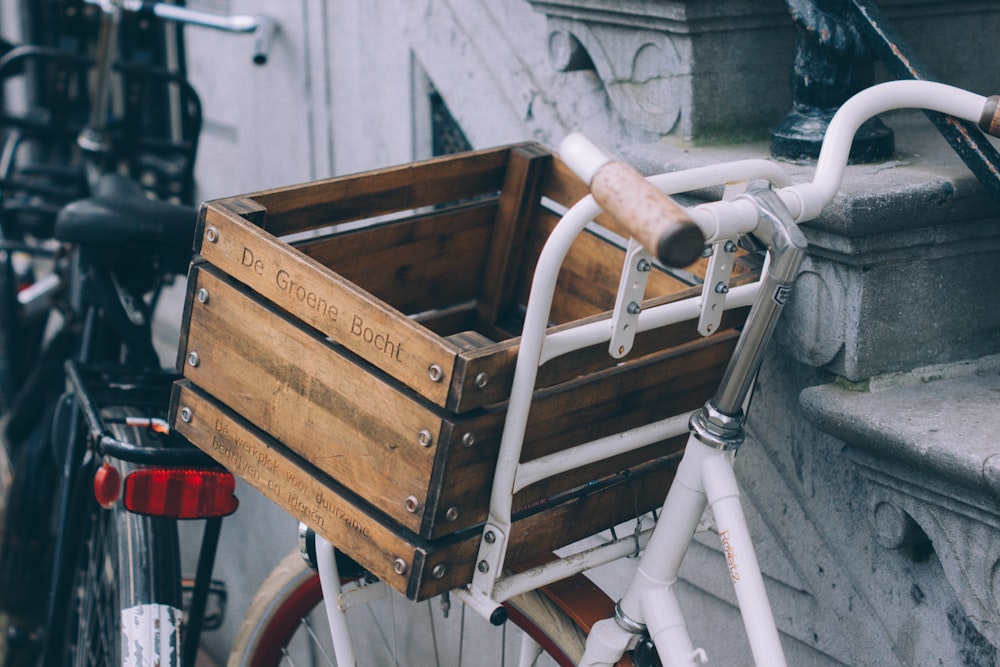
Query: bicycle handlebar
[[261, 25], [727, 219], [989, 121], [662, 226]]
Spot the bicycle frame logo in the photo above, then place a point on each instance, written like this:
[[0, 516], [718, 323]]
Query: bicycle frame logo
[[781, 294], [727, 548]]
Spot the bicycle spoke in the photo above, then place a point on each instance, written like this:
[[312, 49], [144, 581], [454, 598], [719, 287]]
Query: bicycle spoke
[[374, 622], [503, 645], [461, 637], [434, 641], [295, 592], [315, 645], [392, 627]]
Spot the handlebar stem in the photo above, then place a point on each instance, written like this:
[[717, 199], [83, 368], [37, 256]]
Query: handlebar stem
[[777, 229]]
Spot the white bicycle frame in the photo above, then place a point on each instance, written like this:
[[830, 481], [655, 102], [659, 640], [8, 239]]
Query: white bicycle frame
[[705, 475]]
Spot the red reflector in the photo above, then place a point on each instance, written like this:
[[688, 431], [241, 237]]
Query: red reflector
[[107, 485], [180, 493]]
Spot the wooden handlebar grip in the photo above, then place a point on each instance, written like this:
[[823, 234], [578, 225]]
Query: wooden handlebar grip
[[651, 217], [989, 122]]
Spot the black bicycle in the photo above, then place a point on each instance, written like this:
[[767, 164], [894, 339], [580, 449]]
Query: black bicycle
[[89, 550]]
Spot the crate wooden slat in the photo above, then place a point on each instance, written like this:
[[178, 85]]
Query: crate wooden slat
[[408, 186], [362, 332], [428, 568]]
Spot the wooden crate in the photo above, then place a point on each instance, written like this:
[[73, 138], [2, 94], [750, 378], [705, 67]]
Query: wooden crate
[[357, 374]]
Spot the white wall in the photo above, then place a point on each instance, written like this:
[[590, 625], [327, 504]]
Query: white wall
[[343, 90]]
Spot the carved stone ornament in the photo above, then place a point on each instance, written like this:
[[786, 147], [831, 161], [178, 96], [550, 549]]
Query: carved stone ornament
[[684, 67], [907, 514], [642, 70]]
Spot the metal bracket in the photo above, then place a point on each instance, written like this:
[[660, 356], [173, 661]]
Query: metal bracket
[[362, 595], [718, 273], [489, 561], [713, 292], [638, 264]]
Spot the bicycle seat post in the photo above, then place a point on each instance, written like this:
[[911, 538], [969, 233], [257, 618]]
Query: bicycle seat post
[[94, 138]]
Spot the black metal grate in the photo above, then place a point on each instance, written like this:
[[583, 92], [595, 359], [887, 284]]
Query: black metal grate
[[446, 134]]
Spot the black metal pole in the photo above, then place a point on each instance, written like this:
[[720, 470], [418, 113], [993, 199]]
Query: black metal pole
[[965, 138], [202, 583]]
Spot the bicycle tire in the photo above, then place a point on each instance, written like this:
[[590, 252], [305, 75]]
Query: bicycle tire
[[127, 592], [292, 593]]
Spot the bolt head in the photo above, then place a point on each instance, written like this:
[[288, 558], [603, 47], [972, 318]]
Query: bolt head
[[425, 438], [469, 439], [399, 566], [412, 504], [451, 514], [212, 234], [482, 379], [186, 415], [193, 359], [483, 566], [490, 537], [435, 373], [202, 295], [439, 571]]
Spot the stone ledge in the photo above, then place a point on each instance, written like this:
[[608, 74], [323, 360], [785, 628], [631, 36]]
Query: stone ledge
[[925, 443], [941, 420]]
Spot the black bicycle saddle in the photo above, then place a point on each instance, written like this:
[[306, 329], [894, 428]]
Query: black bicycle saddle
[[118, 215]]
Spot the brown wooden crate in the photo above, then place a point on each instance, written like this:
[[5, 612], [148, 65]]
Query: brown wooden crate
[[505, 258], [287, 481], [305, 392], [342, 346]]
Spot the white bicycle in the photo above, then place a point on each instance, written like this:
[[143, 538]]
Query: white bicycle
[[566, 619]]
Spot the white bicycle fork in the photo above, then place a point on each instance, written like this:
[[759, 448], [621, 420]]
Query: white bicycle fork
[[704, 477], [326, 563]]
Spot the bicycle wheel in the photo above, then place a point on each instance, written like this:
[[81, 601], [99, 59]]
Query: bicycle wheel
[[286, 624], [126, 602]]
